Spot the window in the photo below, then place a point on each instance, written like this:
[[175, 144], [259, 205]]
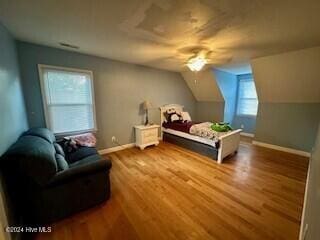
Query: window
[[67, 99], [247, 97]]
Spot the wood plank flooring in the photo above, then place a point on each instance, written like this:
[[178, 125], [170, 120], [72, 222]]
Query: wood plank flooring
[[167, 192]]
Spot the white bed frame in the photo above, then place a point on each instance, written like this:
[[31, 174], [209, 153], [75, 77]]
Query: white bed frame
[[229, 143]]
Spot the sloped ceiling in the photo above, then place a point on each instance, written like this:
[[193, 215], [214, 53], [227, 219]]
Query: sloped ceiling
[[203, 85], [236, 68], [165, 33], [292, 77]]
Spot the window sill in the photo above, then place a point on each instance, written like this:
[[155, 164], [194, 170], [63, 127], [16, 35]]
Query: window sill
[[66, 134], [246, 115]]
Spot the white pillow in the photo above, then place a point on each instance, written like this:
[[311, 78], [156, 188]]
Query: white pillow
[[175, 117], [186, 116]]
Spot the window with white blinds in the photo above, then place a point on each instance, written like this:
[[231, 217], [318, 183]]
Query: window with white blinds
[[68, 99], [247, 98]]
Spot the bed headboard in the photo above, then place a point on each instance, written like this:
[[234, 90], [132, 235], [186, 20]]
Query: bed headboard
[[164, 108]]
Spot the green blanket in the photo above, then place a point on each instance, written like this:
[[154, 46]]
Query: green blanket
[[221, 127]]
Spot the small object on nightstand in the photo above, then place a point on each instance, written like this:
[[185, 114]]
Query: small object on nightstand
[[146, 106], [146, 135]]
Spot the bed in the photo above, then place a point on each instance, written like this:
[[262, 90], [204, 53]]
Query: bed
[[179, 133]]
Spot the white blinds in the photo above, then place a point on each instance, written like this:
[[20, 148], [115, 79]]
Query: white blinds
[[247, 97], [68, 97]]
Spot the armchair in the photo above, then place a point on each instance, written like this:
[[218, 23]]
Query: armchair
[[44, 186]]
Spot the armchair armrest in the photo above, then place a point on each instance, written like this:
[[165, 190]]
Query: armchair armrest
[[79, 171]]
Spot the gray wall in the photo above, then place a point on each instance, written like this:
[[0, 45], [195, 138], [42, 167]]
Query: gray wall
[[292, 125], [248, 123], [311, 213], [228, 84], [288, 89], [209, 111], [119, 90], [13, 119], [13, 116]]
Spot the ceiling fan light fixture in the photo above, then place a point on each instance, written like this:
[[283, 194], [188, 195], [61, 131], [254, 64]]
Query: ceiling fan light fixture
[[196, 64]]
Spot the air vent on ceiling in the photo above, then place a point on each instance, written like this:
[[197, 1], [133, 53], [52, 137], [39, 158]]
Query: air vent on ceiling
[[68, 45]]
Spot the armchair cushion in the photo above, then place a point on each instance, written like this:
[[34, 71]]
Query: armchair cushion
[[80, 153], [34, 157], [41, 132], [61, 162], [85, 167], [86, 160], [59, 149]]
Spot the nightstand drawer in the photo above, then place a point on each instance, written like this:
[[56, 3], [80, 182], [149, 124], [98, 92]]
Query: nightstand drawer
[[146, 135], [150, 133], [149, 139]]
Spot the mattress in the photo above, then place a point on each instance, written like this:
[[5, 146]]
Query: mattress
[[190, 137]]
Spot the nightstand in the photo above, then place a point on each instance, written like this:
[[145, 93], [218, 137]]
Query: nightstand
[[146, 135]]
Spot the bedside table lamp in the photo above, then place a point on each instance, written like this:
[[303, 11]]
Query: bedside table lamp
[[146, 105]]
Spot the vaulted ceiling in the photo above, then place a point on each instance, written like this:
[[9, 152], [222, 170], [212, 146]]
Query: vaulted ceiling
[[203, 85], [292, 77], [165, 33]]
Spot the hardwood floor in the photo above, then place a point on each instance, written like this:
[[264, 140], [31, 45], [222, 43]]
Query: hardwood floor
[[167, 192]]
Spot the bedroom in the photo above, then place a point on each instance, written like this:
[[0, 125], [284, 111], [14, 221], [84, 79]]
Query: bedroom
[[129, 60]]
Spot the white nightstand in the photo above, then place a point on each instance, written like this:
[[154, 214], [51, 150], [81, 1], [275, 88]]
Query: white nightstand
[[146, 135]]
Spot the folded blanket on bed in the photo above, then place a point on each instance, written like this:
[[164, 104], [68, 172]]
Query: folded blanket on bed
[[204, 130], [221, 127], [179, 126]]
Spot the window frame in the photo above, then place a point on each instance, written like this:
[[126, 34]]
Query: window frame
[[41, 70], [238, 97]]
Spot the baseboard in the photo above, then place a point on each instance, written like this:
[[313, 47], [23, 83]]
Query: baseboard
[[283, 149], [247, 134], [117, 148], [304, 225]]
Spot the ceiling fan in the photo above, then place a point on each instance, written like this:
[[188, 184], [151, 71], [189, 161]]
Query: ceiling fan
[[197, 57]]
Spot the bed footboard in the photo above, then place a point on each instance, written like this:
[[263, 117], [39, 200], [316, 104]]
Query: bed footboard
[[229, 144]]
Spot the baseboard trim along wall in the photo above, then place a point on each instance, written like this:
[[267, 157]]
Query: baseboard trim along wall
[[117, 148], [261, 144], [247, 134], [283, 149]]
